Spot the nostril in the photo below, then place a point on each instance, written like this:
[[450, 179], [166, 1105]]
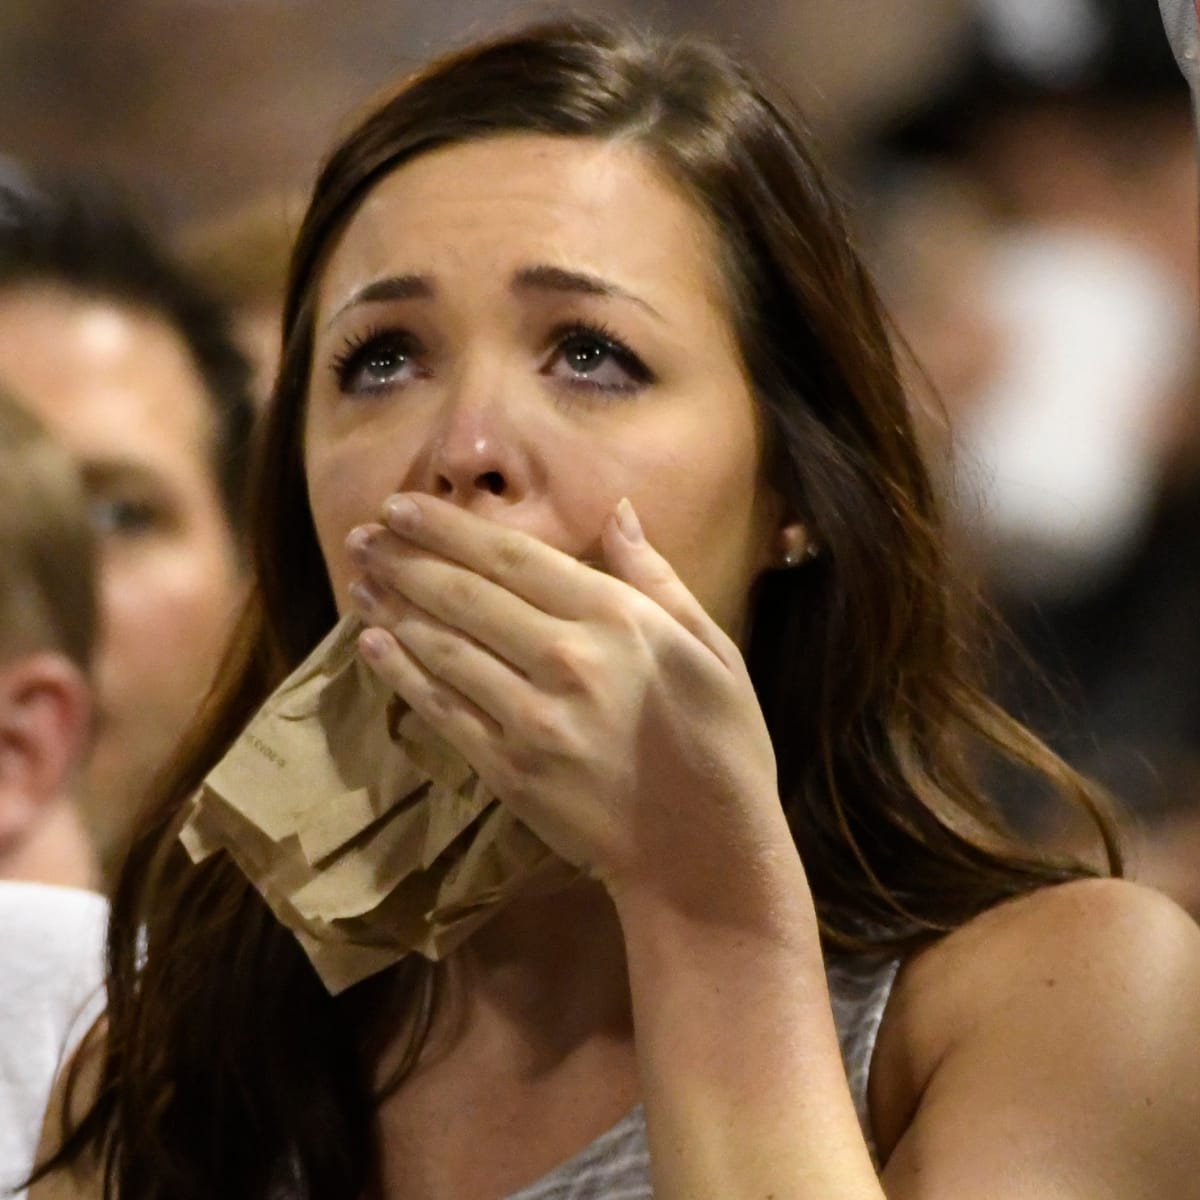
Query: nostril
[[491, 481]]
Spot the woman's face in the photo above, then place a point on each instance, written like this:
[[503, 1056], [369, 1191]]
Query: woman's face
[[533, 327]]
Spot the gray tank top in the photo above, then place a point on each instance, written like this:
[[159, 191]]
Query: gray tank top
[[616, 1166]]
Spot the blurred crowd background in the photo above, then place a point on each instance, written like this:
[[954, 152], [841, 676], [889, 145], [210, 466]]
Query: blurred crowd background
[[200, 106], [1022, 177]]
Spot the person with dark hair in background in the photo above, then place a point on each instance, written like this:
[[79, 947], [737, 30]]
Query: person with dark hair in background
[[134, 368], [588, 411]]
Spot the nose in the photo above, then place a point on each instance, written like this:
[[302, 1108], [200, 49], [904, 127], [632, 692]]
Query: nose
[[476, 472], [477, 455]]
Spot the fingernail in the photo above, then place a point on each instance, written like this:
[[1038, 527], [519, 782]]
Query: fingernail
[[402, 513], [627, 521], [373, 642], [358, 542], [363, 595]]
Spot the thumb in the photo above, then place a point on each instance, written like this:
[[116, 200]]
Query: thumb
[[632, 559]]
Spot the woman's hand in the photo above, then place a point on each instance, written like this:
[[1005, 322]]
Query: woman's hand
[[615, 718], [608, 711]]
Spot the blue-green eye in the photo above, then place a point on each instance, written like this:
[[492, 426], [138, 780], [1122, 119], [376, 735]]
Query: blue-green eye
[[376, 361], [592, 357]]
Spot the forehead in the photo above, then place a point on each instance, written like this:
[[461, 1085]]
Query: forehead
[[487, 207], [111, 381]]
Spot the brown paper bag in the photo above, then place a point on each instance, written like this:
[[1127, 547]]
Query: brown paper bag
[[367, 834]]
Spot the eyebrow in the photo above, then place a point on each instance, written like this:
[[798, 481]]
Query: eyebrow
[[557, 279], [393, 287], [99, 474], [541, 277]]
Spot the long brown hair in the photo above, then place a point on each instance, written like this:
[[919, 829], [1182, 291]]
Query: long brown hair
[[223, 1060]]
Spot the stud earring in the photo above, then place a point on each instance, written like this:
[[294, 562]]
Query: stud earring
[[795, 545], [796, 555]]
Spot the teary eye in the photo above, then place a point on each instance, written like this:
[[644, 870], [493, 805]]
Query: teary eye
[[592, 357], [376, 361]]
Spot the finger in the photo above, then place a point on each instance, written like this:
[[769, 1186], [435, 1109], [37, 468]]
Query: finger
[[633, 560], [449, 657], [546, 577], [398, 575], [466, 727]]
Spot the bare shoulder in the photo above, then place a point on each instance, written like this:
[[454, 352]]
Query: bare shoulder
[[1089, 926], [1068, 1019], [1099, 950]]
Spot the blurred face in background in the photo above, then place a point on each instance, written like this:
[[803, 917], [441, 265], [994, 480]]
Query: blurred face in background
[[118, 386]]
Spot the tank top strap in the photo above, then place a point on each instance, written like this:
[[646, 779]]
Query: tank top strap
[[860, 988]]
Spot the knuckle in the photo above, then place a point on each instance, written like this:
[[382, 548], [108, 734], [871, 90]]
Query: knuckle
[[542, 725], [627, 611], [459, 593], [638, 623], [664, 640], [522, 763], [443, 651], [570, 659], [512, 553], [511, 774], [438, 704]]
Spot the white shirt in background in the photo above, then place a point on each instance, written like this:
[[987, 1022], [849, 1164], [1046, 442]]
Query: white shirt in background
[[51, 981]]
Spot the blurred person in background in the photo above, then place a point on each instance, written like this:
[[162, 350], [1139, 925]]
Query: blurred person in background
[[134, 368], [47, 632], [51, 931], [1051, 298]]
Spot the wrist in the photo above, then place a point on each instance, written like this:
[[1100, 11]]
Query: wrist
[[696, 907]]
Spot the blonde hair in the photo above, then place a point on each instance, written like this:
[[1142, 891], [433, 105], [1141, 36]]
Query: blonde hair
[[47, 544]]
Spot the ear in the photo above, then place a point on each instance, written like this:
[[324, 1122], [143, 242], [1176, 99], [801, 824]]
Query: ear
[[45, 712]]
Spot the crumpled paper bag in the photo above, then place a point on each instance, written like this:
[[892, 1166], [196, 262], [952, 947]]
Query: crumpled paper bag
[[368, 835]]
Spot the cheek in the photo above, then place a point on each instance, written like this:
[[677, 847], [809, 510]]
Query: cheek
[[347, 484], [709, 514], [171, 604]]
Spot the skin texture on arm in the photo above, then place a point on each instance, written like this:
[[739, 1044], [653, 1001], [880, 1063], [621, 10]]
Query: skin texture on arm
[[742, 1079]]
